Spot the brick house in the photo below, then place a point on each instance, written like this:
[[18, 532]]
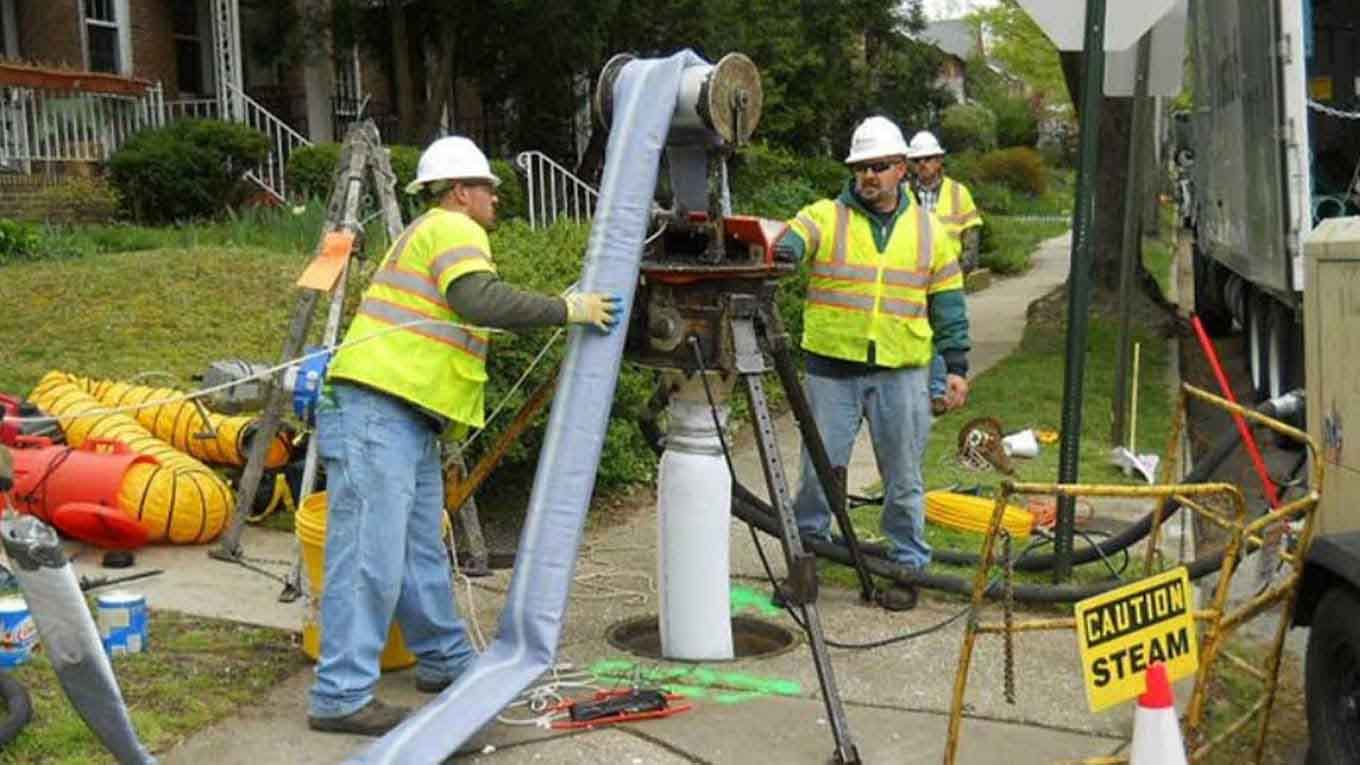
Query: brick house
[[157, 60]]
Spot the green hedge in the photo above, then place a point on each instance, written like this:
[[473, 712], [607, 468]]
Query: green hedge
[[967, 126], [311, 174], [187, 170], [775, 183]]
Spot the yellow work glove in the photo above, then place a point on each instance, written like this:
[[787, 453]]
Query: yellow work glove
[[598, 308]]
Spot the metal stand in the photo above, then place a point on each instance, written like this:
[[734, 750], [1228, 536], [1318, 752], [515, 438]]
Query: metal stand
[[748, 323]]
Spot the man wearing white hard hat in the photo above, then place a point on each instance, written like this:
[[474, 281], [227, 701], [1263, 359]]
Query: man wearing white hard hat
[[953, 205], [884, 281], [413, 365]]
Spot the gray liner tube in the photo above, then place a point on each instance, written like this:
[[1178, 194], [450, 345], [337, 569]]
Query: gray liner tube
[[531, 622], [69, 635]]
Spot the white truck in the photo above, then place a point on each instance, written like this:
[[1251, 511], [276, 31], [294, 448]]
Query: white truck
[[1276, 147], [1276, 160]]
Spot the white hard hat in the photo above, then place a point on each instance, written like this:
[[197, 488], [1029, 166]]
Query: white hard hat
[[875, 138], [924, 144], [452, 158]]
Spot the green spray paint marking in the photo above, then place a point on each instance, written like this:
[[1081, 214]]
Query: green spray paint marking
[[698, 682], [747, 599]]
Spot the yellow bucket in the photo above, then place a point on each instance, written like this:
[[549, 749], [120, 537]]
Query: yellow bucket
[[310, 527]]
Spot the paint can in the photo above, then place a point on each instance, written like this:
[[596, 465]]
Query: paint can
[[18, 634], [122, 617]]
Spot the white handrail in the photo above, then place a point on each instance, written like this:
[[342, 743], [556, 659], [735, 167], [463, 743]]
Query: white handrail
[[552, 191], [270, 174]]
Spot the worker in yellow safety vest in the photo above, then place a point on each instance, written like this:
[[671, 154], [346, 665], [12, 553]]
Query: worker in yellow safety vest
[[953, 205], [884, 281], [413, 364]]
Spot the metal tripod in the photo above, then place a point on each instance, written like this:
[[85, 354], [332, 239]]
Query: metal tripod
[[752, 321]]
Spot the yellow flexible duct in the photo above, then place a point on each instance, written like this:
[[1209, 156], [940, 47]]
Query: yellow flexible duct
[[220, 440], [179, 500], [968, 513]]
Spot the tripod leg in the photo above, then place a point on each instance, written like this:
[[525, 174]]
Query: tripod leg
[[802, 566], [833, 479]]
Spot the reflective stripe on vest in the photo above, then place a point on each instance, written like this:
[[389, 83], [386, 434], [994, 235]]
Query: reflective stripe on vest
[[878, 296], [405, 340], [434, 329], [954, 220]]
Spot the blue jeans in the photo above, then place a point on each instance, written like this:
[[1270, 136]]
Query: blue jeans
[[938, 384], [897, 406], [384, 555]]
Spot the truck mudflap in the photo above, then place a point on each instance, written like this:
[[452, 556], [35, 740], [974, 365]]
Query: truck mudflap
[[1332, 559]]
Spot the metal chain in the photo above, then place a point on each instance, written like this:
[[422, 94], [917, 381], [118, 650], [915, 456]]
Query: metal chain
[[1008, 606], [1329, 111]]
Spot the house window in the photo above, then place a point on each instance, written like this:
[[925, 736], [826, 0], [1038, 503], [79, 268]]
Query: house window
[[188, 47], [106, 36]]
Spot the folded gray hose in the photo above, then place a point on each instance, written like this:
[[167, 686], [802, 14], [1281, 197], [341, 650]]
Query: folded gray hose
[[645, 95]]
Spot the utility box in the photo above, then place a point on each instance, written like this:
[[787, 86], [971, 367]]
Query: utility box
[[1331, 318]]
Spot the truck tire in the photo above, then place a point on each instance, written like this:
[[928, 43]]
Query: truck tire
[[1209, 304], [1333, 679]]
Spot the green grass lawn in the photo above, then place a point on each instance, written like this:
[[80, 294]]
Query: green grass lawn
[[194, 672]]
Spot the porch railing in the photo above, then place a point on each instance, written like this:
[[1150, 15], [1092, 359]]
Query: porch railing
[[44, 125], [283, 140], [553, 192], [193, 109]]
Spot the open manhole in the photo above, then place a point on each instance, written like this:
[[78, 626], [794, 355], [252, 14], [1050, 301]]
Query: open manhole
[[751, 638]]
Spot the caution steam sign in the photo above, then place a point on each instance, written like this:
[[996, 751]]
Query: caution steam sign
[[1123, 632]]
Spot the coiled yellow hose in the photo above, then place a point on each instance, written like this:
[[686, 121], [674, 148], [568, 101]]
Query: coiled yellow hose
[[966, 512], [218, 439], [179, 500]]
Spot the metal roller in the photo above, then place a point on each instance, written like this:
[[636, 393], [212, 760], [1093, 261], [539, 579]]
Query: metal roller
[[724, 99]]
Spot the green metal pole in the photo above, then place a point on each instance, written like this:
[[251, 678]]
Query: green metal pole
[[1131, 249], [1079, 280]]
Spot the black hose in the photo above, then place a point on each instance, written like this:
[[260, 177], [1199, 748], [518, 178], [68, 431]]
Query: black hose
[[756, 512], [18, 708]]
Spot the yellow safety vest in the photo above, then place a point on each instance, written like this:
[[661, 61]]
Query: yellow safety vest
[[438, 366], [955, 208], [857, 294]]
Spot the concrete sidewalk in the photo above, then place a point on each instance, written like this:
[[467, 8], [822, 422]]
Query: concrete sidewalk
[[897, 697]]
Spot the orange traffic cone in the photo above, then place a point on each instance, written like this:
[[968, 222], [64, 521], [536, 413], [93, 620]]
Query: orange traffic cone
[[1156, 731]]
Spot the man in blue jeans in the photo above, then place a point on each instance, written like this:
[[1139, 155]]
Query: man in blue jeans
[[952, 204], [885, 281], [413, 366]]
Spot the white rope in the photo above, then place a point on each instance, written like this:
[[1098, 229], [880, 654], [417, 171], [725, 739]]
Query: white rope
[[1331, 112]]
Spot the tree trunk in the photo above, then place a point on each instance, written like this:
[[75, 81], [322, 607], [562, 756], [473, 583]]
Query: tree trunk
[[440, 89], [1107, 235], [401, 69]]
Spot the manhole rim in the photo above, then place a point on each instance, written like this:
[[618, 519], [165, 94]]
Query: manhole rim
[[613, 637]]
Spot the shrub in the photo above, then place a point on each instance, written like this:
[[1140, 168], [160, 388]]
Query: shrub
[[184, 170], [546, 261], [1016, 124], [311, 170], [18, 241], [1019, 168], [761, 166], [77, 199], [968, 126]]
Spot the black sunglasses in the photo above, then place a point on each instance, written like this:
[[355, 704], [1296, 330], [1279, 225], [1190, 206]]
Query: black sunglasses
[[876, 167]]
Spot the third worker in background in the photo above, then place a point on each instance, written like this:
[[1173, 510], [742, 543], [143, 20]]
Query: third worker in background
[[953, 206], [885, 281]]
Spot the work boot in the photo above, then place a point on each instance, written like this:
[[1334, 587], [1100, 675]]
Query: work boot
[[901, 597], [372, 719], [938, 406], [432, 684]]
